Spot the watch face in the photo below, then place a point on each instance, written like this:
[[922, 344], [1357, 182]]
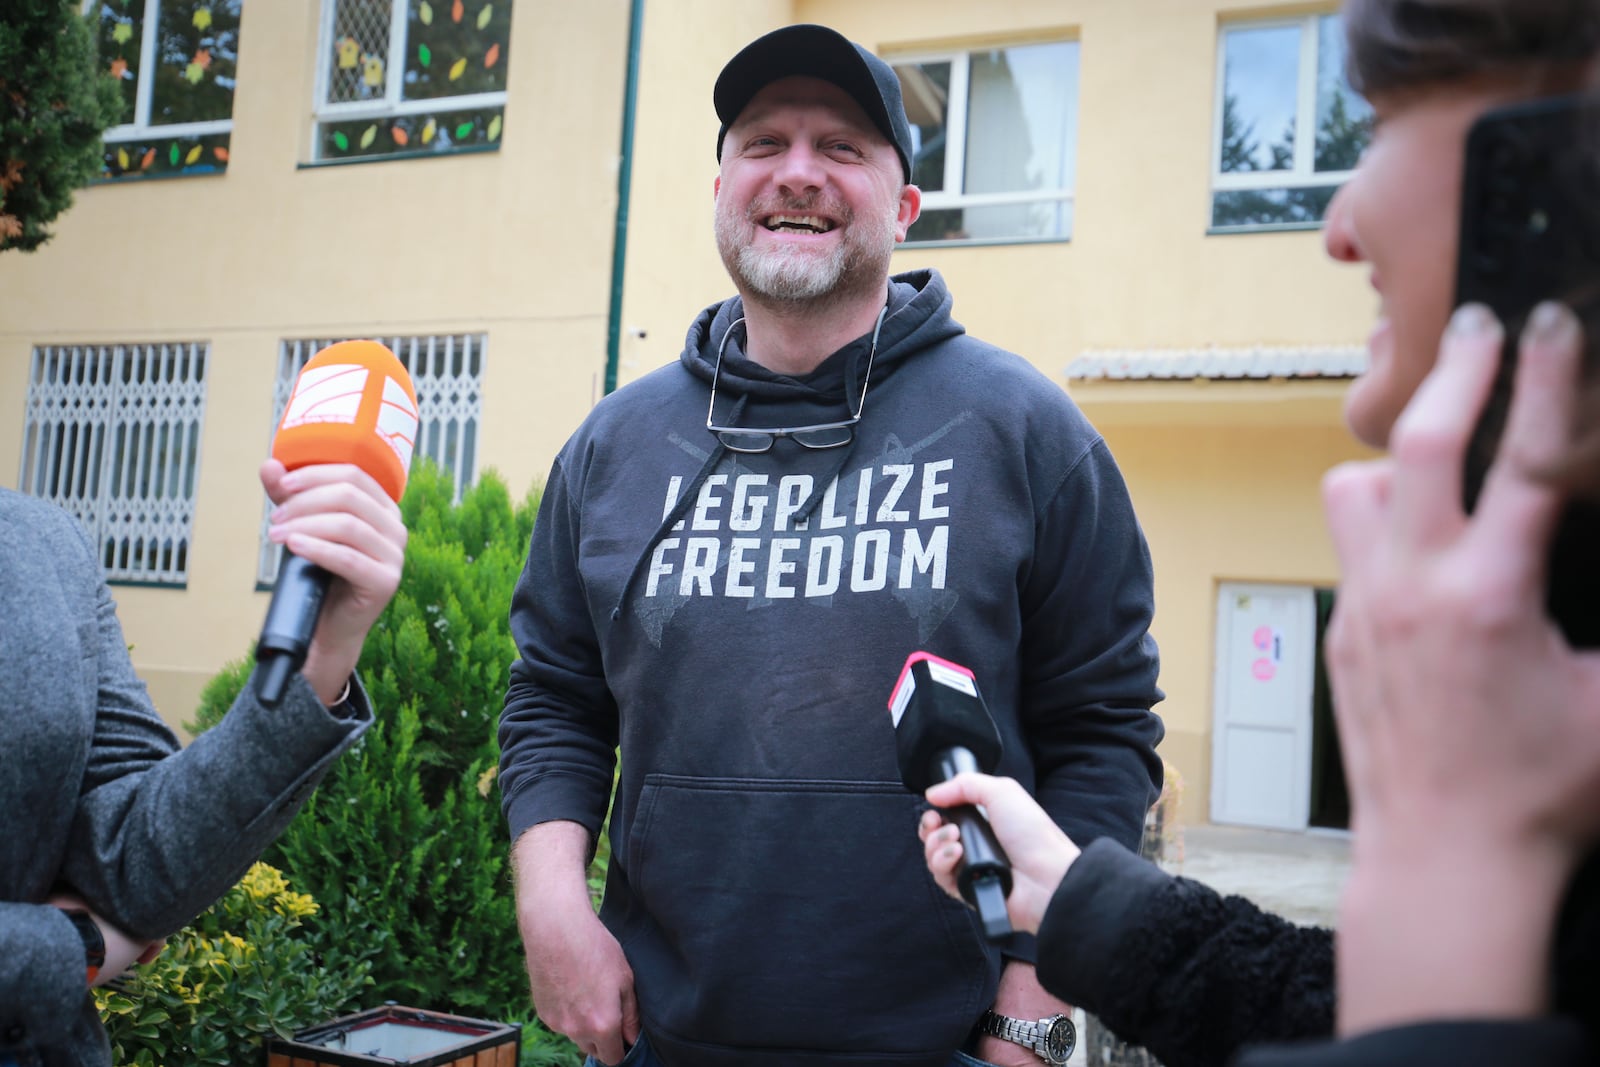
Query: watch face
[[1060, 1039]]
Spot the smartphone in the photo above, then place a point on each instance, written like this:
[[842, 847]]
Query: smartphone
[[1530, 231]]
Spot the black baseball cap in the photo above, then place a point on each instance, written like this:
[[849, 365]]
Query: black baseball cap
[[815, 52]]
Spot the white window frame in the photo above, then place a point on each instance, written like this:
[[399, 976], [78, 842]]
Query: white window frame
[[1304, 174], [953, 196], [140, 128], [103, 497], [392, 105]]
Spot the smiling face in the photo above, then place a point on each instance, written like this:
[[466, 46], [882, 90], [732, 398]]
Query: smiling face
[[1399, 213], [811, 200]]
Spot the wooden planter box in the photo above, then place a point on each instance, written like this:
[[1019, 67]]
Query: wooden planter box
[[395, 1035]]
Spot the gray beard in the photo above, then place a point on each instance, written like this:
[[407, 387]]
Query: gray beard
[[794, 276]]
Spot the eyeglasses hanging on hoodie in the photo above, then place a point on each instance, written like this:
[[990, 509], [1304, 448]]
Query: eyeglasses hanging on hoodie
[[818, 435]]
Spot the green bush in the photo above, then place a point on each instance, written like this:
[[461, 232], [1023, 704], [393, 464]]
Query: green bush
[[241, 971], [404, 842], [55, 101]]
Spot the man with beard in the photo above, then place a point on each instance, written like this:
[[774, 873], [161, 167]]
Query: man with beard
[[729, 601]]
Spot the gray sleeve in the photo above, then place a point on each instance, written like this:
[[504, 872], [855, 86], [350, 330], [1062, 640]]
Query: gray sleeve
[[158, 835], [43, 976]]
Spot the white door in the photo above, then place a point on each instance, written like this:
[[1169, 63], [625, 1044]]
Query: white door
[[1261, 740]]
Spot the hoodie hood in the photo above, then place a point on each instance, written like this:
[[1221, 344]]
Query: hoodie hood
[[918, 317]]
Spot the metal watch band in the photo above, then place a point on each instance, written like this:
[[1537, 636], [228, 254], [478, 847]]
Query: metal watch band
[[1032, 1036]]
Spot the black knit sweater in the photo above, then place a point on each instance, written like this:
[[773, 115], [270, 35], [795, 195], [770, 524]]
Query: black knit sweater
[[1196, 977]]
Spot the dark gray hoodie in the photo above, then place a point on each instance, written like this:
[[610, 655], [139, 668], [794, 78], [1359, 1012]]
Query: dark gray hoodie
[[735, 623]]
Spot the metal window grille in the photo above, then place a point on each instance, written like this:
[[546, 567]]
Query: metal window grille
[[401, 77], [447, 372], [112, 434]]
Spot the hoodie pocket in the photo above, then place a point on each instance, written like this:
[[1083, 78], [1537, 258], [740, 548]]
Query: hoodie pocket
[[796, 914]]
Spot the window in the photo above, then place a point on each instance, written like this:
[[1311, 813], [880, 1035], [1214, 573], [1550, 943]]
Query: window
[[994, 135], [410, 76], [175, 61], [447, 373], [112, 434], [1275, 81]]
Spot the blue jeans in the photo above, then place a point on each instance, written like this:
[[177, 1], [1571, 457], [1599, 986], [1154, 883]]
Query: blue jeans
[[640, 1055]]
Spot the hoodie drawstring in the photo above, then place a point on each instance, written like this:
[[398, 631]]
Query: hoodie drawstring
[[679, 510]]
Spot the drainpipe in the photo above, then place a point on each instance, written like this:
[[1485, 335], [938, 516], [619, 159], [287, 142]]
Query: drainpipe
[[619, 240]]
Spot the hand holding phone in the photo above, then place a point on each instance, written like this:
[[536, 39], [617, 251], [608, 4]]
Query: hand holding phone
[[1530, 232]]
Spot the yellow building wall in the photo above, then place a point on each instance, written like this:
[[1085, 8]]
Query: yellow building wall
[[515, 243], [518, 244], [1227, 488]]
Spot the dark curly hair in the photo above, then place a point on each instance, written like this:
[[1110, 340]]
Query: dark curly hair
[[1404, 44], [1396, 46]]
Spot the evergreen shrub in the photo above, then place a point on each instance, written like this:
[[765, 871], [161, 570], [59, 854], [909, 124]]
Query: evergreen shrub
[[243, 970], [403, 842]]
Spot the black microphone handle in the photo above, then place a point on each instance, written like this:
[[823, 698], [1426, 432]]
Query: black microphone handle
[[291, 620], [984, 876]]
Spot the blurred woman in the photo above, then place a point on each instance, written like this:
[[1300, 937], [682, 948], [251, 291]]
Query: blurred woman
[[1470, 728]]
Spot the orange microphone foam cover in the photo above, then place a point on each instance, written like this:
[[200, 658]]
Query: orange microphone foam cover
[[353, 403]]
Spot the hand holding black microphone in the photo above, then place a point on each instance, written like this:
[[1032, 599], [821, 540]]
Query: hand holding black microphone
[[339, 466], [986, 833], [942, 729]]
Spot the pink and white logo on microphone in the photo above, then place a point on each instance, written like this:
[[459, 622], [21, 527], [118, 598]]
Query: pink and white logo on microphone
[[397, 421], [326, 394]]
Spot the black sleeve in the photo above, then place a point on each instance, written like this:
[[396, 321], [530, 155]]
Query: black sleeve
[[1172, 965], [1545, 1042]]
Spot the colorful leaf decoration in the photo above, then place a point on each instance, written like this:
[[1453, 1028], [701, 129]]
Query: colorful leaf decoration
[[425, 12], [428, 131], [340, 141], [399, 135], [370, 135], [172, 153], [122, 158], [203, 58], [485, 15], [221, 152], [194, 155], [194, 72], [463, 131], [458, 68], [494, 128], [119, 67], [202, 18], [424, 55], [456, 11], [492, 56], [149, 158], [123, 33]]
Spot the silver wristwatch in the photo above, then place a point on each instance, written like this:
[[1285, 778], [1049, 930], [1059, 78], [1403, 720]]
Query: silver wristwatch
[[1051, 1039]]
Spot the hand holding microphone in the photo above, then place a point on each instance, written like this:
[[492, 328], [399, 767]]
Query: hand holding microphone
[[338, 468], [1039, 851], [942, 729]]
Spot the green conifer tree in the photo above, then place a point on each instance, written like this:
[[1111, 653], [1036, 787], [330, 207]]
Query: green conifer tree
[[54, 105]]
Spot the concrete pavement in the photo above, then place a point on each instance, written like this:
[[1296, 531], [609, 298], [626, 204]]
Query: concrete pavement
[[1297, 875]]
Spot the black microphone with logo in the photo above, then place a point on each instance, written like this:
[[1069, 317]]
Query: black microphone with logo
[[942, 728]]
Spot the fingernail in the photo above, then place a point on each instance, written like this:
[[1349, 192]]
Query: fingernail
[[1471, 320], [1551, 323]]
